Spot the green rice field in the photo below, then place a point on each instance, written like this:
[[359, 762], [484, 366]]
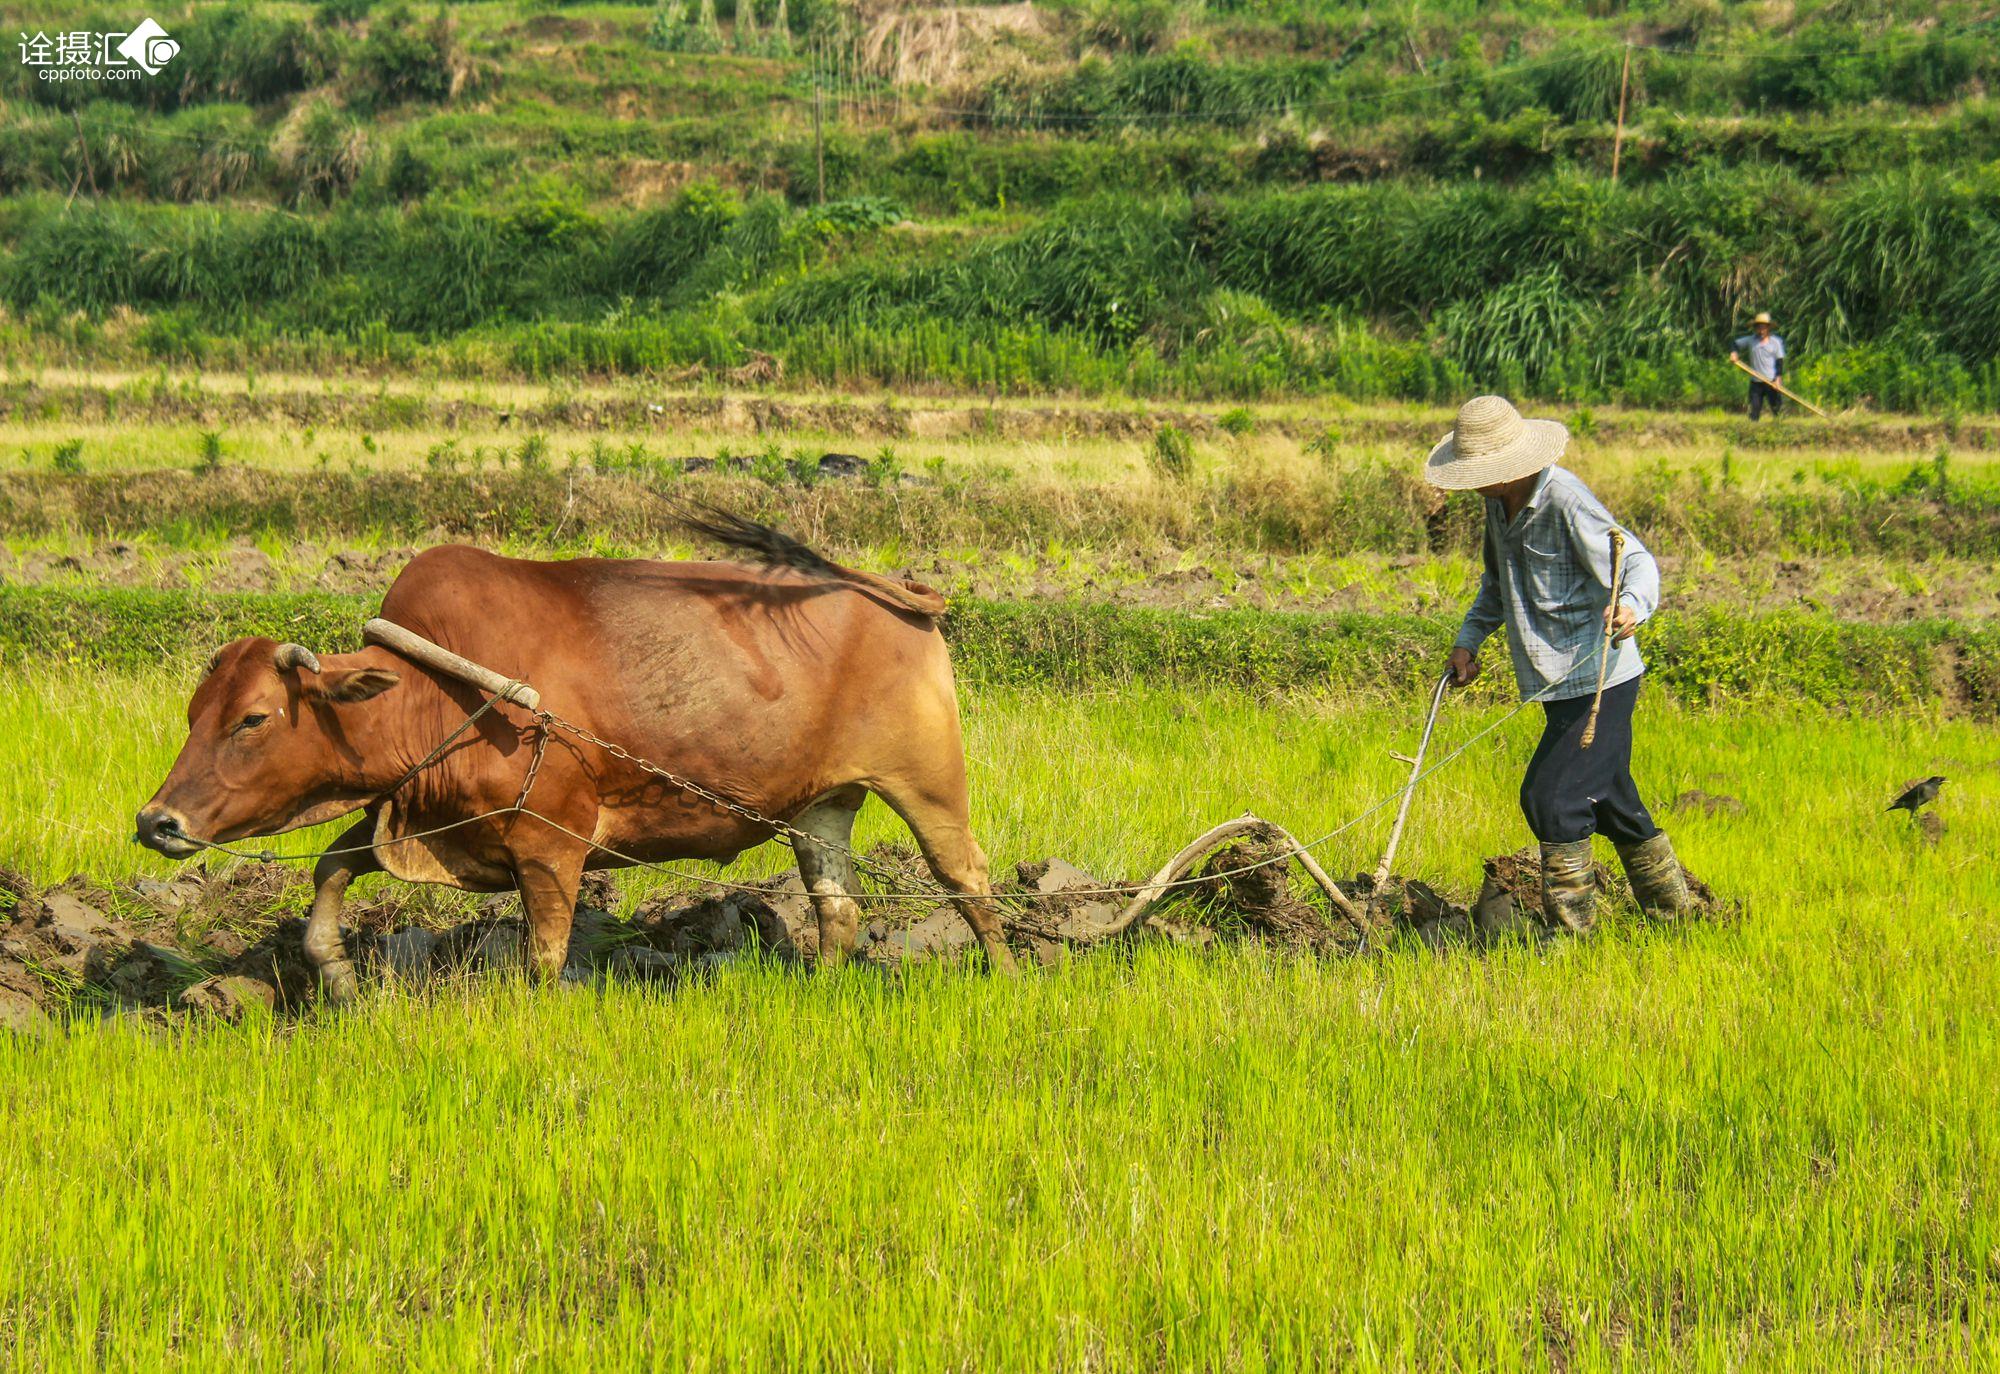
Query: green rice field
[[1761, 1142]]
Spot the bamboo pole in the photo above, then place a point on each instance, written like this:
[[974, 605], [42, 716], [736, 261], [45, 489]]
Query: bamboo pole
[[1624, 81], [1778, 387]]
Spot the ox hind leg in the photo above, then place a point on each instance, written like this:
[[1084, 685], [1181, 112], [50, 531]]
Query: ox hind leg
[[826, 863], [939, 815], [348, 858]]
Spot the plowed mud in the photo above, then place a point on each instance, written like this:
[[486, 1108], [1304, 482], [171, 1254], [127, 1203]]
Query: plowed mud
[[226, 944]]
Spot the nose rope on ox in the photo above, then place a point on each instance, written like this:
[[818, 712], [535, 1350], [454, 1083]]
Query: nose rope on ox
[[1142, 896]]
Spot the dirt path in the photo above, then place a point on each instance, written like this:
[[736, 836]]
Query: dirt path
[[1855, 589], [395, 401]]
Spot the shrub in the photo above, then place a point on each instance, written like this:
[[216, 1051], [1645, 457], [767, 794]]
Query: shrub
[[402, 60], [322, 151], [238, 53]]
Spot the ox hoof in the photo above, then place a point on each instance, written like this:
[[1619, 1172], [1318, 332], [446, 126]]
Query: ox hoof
[[338, 984]]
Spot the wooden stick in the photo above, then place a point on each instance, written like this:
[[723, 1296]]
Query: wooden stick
[[414, 646], [1410, 788], [1624, 80], [1779, 387], [1610, 629]]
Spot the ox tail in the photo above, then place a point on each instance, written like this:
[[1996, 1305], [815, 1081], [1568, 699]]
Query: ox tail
[[776, 549]]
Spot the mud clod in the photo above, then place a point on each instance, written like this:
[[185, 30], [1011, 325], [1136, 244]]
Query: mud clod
[[1070, 907], [1249, 877]]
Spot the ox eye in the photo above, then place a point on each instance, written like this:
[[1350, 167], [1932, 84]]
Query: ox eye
[[250, 722]]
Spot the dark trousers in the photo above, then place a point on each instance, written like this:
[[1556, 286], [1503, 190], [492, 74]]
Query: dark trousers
[[1572, 793], [1764, 394]]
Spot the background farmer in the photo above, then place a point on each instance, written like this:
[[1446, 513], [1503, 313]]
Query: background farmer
[[1766, 360], [1547, 550]]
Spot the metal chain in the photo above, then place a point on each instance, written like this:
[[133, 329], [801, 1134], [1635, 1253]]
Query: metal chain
[[791, 832], [534, 763]]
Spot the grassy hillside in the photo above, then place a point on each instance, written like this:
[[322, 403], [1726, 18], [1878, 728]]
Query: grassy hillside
[[1169, 200]]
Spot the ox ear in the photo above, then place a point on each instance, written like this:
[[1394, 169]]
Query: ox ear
[[348, 685]]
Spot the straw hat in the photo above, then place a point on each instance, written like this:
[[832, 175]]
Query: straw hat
[[1761, 317], [1492, 443]]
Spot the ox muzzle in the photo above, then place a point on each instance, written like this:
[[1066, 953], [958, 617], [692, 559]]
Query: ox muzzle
[[164, 831]]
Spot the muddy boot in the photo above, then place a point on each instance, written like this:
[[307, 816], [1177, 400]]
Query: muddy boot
[[1657, 881], [1569, 887]]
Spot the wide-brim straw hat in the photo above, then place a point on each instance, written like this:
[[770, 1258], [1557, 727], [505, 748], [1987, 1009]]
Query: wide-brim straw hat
[[1761, 317], [1491, 443]]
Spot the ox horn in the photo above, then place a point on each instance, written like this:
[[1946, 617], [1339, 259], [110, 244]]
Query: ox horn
[[296, 656]]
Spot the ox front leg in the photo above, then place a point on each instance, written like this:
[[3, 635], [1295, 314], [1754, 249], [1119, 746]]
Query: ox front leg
[[826, 864], [548, 886], [325, 950]]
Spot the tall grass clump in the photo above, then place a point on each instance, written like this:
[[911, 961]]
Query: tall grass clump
[[1171, 454]]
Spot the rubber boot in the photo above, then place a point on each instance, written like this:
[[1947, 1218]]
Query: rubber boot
[[1569, 887], [1657, 881]]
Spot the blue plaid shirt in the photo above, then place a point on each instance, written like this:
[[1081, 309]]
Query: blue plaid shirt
[[1767, 356], [1548, 576]]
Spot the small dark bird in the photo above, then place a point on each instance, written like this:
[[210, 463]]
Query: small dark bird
[[1920, 795]]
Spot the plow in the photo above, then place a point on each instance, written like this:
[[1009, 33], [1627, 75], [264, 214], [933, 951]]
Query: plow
[[1050, 907]]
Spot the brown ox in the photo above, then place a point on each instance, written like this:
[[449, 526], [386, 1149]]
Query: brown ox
[[795, 690]]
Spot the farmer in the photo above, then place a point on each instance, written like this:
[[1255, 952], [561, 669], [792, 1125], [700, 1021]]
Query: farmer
[[1767, 361], [1547, 549]]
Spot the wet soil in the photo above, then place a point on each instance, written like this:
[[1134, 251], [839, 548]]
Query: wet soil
[[226, 944]]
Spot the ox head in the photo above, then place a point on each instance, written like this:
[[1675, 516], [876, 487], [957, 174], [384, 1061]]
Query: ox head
[[268, 749]]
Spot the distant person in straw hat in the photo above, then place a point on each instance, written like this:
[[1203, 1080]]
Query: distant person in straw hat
[[1547, 551], [1767, 359]]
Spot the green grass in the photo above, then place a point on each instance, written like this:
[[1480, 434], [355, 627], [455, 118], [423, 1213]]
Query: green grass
[[1555, 289], [1761, 1145], [1711, 655]]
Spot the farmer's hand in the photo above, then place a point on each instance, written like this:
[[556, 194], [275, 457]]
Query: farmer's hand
[[1733, 356], [1464, 667], [1620, 621]]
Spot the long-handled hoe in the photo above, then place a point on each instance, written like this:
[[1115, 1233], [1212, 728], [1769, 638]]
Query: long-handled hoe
[[1779, 387]]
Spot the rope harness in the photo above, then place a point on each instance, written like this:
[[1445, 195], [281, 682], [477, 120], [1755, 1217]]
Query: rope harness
[[520, 693]]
